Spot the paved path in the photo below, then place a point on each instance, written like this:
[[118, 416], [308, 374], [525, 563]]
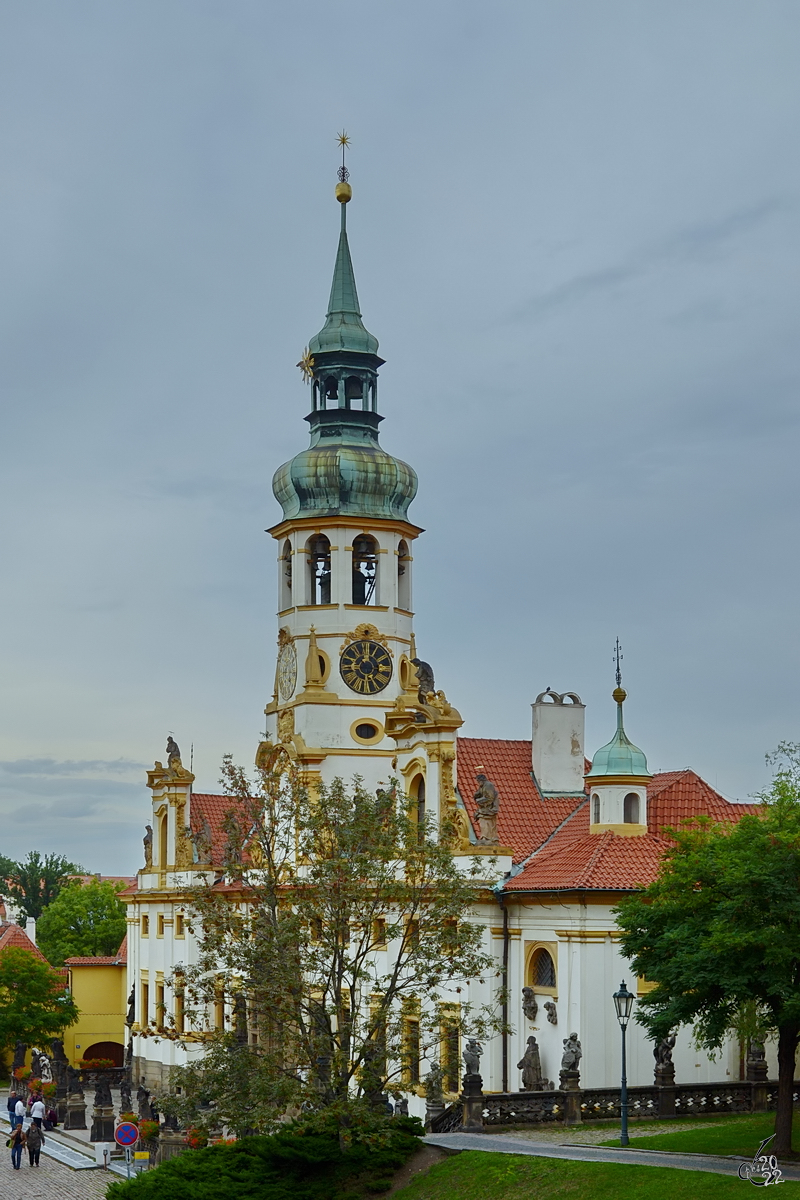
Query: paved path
[[645, 1158], [51, 1180], [66, 1150]]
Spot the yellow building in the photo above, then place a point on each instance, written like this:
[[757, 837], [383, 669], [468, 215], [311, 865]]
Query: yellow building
[[99, 988]]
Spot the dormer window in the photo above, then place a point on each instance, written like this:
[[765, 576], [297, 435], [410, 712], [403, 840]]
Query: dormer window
[[630, 809]]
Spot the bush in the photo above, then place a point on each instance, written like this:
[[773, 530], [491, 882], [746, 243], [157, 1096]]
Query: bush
[[304, 1161], [96, 1064]]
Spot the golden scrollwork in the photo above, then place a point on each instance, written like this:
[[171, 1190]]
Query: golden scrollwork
[[365, 632], [286, 725], [284, 636]]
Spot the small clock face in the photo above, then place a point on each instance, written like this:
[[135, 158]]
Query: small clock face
[[366, 667], [287, 670]]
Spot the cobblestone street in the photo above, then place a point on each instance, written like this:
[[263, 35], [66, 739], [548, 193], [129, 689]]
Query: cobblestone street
[[50, 1181]]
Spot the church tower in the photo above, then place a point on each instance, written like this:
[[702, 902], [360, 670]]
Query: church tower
[[345, 620]]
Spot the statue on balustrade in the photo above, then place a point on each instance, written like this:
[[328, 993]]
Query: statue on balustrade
[[531, 1067], [573, 1053], [472, 1056]]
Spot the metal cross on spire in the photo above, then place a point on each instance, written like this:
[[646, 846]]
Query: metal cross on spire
[[618, 661], [344, 141]]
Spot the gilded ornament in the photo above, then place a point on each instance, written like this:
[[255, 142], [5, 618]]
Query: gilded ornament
[[286, 725]]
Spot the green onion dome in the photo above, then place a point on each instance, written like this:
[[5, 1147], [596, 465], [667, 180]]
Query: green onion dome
[[619, 756]]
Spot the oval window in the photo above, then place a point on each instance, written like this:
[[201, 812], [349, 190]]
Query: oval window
[[366, 731]]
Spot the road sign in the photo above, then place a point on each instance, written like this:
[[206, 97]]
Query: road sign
[[126, 1134]]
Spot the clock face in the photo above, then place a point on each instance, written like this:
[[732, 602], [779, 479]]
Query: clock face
[[287, 670], [366, 667]]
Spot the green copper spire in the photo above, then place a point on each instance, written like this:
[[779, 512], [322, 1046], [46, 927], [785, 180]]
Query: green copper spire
[[343, 328], [619, 756]]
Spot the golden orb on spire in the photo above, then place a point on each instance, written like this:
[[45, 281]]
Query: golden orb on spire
[[344, 193]]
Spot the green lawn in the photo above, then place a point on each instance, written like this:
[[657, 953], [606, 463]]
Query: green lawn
[[479, 1175], [738, 1135]]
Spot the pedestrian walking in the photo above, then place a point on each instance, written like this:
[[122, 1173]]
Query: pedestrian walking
[[37, 1112], [11, 1104], [17, 1142], [19, 1111], [35, 1141]]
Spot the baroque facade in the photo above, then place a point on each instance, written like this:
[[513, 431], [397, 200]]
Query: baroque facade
[[560, 839]]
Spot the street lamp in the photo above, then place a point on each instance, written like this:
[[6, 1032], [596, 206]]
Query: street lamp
[[623, 1003]]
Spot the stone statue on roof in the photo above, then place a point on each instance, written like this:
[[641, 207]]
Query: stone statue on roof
[[147, 842], [424, 679], [487, 799], [173, 752]]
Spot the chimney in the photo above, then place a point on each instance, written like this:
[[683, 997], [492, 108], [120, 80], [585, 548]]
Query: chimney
[[30, 929], [557, 743]]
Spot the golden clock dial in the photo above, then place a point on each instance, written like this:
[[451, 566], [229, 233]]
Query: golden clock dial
[[366, 667], [287, 670]]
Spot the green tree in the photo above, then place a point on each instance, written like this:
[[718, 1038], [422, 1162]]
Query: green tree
[[34, 1005], [719, 930], [84, 919], [35, 882], [341, 948]]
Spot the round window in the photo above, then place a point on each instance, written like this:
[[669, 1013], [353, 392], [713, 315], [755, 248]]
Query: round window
[[366, 731]]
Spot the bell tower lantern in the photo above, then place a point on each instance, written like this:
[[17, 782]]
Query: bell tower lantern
[[345, 618]]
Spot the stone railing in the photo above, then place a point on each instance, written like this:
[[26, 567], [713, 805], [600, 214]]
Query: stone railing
[[644, 1103], [449, 1120], [523, 1108], [599, 1104]]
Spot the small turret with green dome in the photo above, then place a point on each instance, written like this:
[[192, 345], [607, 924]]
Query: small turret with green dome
[[618, 777], [344, 471]]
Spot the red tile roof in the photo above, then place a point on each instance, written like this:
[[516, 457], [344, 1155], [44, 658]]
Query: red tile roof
[[14, 935], [550, 836], [205, 806], [119, 959], [525, 819], [598, 861]]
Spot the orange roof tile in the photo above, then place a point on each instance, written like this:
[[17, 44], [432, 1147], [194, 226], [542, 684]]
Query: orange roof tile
[[550, 835], [598, 861], [526, 819], [14, 935]]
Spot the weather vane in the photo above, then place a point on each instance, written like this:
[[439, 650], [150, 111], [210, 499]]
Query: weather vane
[[618, 660], [344, 141]]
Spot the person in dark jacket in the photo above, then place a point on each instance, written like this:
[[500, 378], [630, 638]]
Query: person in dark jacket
[[17, 1141], [35, 1141]]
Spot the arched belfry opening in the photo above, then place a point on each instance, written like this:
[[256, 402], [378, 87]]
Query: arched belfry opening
[[630, 809], [319, 569], [285, 568], [365, 570], [403, 577], [163, 836]]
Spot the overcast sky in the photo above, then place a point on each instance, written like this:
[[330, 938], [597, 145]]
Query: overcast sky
[[575, 233]]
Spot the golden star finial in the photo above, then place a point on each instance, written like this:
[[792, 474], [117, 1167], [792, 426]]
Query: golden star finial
[[344, 138], [306, 365]]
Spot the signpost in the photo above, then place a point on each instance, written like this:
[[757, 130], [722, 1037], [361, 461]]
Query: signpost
[[127, 1135]]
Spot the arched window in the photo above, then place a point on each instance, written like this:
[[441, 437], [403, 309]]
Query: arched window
[[162, 842], [543, 971], [285, 569], [403, 577], [353, 390], [630, 809], [595, 809], [365, 569], [418, 800], [331, 391], [319, 569]]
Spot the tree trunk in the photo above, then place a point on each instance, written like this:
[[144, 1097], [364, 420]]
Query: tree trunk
[[787, 1049]]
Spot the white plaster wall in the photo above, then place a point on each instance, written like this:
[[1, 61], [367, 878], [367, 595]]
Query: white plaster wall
[[557, 747]]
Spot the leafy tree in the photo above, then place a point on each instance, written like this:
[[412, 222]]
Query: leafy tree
[[6, 867], [34, 1006], [35, 882], [83, 919], [340, 943], [719, 930]]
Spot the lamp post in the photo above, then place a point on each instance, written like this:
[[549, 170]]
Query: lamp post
[[623, 1003]]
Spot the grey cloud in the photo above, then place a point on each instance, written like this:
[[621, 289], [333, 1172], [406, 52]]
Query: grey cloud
[[690, 244], [49, 766]]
